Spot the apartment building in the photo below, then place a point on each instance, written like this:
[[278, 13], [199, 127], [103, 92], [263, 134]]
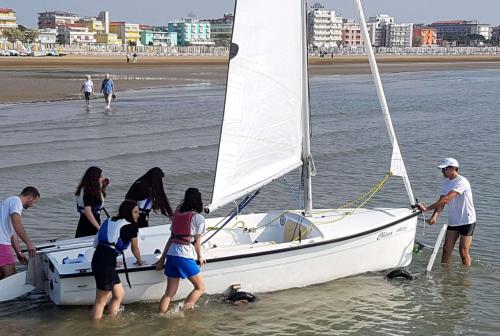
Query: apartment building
[[74, 33], [377, 29], [461, 28], [94, 25], [424, 36], [221, 30], [483, 29], [47, 36], [8, 19], [398, 35], [351, 34], [192, 32], [128, 33], [158, 36], [55, 19], [324, 27]]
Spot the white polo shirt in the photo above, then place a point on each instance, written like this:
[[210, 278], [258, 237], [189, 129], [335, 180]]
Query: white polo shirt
[[460, 209], [8, 207]]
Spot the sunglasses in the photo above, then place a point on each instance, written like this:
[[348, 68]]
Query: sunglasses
[[444, 169]]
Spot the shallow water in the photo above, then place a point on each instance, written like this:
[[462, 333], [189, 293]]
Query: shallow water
[[436, 114]]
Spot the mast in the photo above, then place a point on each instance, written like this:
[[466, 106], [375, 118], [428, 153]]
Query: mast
[[397, 160], [307, 163]]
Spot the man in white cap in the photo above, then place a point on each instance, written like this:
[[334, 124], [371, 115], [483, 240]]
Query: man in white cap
[[457, 193]]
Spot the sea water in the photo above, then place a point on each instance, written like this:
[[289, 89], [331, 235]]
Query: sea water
[[436, 114]]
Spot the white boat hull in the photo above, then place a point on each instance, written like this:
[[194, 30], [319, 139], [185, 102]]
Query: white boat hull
[[328, 252]]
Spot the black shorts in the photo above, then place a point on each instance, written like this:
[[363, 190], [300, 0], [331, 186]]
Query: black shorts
[[104, 268], [87, 95], [464, 230]]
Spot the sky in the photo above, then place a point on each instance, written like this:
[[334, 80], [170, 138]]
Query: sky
[[159, 12]]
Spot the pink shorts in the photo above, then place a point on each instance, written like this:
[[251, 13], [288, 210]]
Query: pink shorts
[[6, 255]]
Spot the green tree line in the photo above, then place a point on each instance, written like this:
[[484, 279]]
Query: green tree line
[[21, 34]]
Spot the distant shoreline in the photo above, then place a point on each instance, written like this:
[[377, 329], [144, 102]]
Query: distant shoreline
[[153, 61], [29, 79]]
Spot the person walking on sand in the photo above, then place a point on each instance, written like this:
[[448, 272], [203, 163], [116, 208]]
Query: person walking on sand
[[149, 194], [11, 228], [135, 57], [108, 89], [87, 89], [182, 249], [114, 237], [457, 193]]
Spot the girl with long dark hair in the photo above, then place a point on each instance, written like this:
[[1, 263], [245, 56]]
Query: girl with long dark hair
[[90, 196], [114, 237], [149, 194], [183, 250]]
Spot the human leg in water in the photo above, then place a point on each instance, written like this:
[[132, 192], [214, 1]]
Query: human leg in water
[[172, 286], [449, 243], [464, 248], [101, 299], [117, 296], [107, 98], [199, 289]]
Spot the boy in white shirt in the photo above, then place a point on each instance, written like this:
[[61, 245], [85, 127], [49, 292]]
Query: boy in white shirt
[[456, 192]]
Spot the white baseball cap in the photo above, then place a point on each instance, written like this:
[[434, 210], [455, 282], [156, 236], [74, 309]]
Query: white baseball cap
[[448, 162]]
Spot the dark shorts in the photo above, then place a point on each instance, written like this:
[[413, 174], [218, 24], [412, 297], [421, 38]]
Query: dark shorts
[[179, 267], [104, 268], [87, 95], [464, 230]]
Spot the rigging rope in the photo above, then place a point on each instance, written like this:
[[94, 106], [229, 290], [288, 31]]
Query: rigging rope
[[364, 198]]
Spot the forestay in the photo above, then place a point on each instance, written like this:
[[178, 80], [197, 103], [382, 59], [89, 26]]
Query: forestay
[[261, 137]]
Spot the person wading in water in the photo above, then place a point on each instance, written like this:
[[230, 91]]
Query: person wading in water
[[183, 251]]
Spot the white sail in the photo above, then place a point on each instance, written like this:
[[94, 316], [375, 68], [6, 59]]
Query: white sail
[[397, 163], [261, 137]]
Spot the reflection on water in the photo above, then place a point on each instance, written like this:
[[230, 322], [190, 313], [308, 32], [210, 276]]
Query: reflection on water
[[51, 144]]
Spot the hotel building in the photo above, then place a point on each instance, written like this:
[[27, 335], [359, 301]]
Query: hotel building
[[55, 19], [191, 32], [157, 36], [324, 27], [128, 33], [74, 33], [424, 36], [7, 19], [351, 34], [221, 30]]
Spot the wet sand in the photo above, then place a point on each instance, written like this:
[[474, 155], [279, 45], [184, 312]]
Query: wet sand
[[25, 79]]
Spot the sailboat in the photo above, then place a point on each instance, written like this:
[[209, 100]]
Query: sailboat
[[265, 135]]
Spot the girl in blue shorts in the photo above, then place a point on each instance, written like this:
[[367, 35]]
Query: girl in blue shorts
[[183, 250]]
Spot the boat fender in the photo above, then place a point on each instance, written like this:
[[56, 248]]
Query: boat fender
[[399, 273], [241, 297], [233, 51]]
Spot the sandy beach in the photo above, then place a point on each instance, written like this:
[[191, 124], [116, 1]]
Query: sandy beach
[[25, 79]]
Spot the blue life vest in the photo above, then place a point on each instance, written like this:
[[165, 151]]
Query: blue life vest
[[109, 235], [145, 205], [80, 206]]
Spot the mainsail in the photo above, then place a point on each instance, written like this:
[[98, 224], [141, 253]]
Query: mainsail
[[261, 137]]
